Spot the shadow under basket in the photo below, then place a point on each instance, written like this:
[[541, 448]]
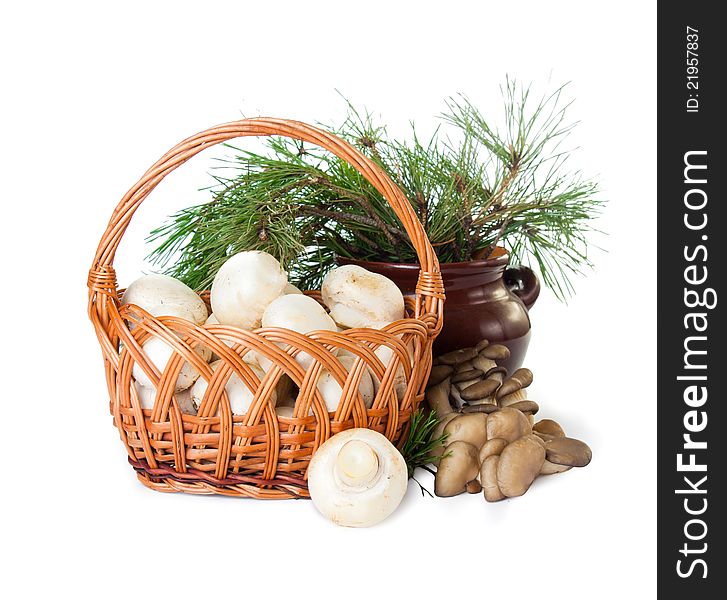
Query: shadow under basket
[[260, 454]]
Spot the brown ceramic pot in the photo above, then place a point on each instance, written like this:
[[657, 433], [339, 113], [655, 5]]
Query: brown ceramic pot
[[485, 299]]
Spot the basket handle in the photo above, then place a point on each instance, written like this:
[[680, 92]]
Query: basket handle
[[429, 287]]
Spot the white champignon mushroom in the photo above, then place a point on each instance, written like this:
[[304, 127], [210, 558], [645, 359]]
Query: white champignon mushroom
[[299, 313], [162, 295], [357, 478], [366, 384], [244, 286], [239, 394], [159, 353], [385, 355], [359, 298], [331, 390]]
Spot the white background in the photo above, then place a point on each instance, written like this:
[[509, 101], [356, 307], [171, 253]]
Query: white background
[[94, 93]]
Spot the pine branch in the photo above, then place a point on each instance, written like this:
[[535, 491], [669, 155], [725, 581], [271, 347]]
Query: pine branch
[[305, 205], [419, 448]]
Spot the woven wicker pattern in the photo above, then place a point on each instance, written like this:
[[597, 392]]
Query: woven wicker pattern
[[259, 454]]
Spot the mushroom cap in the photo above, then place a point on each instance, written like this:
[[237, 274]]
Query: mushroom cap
[[438, 374], [483, 363], [496, 352], [481, 389], [344, 485], [458, 466], [568, 451], [499, 372], [526, 406], [298, 313], [162, 295], [550, 427], [463, 385], [470, 428], [520, 379], [357, 297], [159, 353], [331, 390], [509, 399], [244, 286], [365, 385], [488, 479], [456, 357], [493, 447], [482, 344], [385, 355], [520, 463], [437, 397], [463, 366], [239, 394], [508, 424], [468, 375]]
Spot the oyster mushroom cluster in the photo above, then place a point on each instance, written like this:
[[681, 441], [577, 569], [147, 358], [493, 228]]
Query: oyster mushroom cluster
[[493, 443]]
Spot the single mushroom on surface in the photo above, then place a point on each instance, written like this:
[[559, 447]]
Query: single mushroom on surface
[[357, 478], [244, 286]]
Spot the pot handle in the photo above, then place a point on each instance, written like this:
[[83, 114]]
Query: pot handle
[[524, 283]]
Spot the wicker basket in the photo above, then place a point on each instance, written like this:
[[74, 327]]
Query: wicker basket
[[259, 454]]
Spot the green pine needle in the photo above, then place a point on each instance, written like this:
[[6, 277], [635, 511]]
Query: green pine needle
[[418, 451], [510, 187]]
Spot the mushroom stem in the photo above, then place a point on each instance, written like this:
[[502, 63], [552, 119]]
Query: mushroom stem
[[438, 398], [357, 463]]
